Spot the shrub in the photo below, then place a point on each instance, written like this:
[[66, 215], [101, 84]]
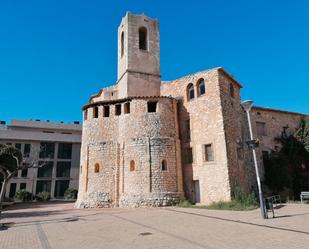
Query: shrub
[[70, 194], [43, 196], [243, 198], [23, 195], [185, 204]]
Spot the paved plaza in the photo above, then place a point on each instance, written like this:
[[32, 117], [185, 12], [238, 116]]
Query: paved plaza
[[60, 226]]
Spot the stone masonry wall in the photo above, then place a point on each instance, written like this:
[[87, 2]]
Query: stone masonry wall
[[234, 133], [138, 69], [206, 127], [139, 136], [274, 122]]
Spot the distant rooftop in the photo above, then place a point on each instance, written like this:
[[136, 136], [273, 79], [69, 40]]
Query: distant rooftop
[[37, 130], [43, 124]]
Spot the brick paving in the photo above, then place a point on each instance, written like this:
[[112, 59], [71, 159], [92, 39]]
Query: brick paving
[[59, 225]]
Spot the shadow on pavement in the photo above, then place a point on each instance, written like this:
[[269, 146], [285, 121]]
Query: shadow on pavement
[[238, 221]]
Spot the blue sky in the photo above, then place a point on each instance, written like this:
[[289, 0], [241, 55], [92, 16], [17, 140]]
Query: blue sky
[[54, 54]]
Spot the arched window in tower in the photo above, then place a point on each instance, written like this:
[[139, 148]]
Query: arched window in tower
[[122, 44], [142, 34], [231, 90], [201, 87], [190, 92], [164, 165], [96, 168], [132, 165]]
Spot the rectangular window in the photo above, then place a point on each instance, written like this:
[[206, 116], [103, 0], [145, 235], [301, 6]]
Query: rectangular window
[[18, 146], [43, 186], [63, 169], [95, 112], [12, 190], [261, 128], [117, 110], [61, 187], [127, 108], [152, 106], [27, 150], [208, 153], [189, 155], [24, 173], [106, 111], [47, 150], [46, 170], [65, 151], [23, 185]]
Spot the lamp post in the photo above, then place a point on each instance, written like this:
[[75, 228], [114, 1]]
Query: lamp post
[[247, 105]]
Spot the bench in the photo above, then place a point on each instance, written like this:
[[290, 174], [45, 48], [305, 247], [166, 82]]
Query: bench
[[304, 195]]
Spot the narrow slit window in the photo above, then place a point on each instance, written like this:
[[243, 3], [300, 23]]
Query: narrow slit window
[[164, 165], [122, 44], [96, 168], [127, 108], [132, 165], [117, 110], [106, 111], [142, 34], [152, 106]]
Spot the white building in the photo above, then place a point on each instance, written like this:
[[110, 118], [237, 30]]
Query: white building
[[55, 144]]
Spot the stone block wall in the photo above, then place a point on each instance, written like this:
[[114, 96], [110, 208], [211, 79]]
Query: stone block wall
[[275, 121], [138, 69], [236, 132], [205, 115], [147, 138]]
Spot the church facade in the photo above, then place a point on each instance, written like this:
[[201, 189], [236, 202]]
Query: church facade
[[148, 142]]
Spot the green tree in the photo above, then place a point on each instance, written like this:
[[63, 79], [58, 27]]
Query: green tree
[[287, 167], [10, 162]]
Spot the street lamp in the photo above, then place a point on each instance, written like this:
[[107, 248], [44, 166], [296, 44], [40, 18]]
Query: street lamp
[[247, 105]]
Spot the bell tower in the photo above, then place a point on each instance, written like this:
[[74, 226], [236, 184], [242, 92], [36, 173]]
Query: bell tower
[[138, 56]]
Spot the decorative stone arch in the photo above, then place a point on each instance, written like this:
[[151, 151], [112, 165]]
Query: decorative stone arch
[[164, 165], [201, 87], [143, 38], [132, 165], [190, 92], [97, 168]]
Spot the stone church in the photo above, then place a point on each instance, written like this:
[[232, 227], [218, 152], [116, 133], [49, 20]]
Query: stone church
[[148, 142]]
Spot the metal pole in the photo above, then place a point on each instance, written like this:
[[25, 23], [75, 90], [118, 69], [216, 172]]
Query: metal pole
[[256, 169]]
